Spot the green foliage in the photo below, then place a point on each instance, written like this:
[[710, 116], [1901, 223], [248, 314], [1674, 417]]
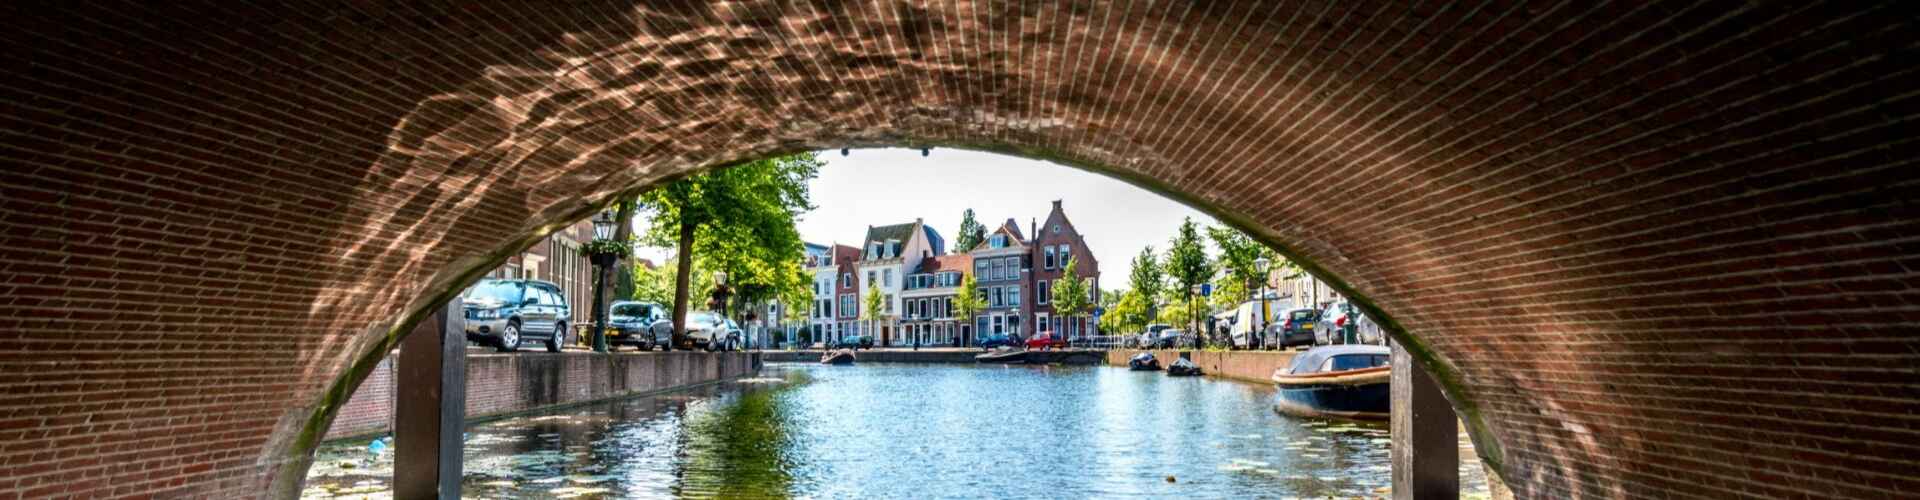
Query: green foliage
[[1127, 314], [1148, 280], [656, 285], [1238, 256], [1186, 262], [967, 302], [1178, 314], [606, 246], [874, 305], [743, 220], [971, 233], [1070, 292]]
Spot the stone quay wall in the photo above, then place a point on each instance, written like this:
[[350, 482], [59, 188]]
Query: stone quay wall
[[502, 384]]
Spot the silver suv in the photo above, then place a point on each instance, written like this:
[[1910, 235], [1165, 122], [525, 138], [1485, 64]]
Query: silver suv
[[505, 313]]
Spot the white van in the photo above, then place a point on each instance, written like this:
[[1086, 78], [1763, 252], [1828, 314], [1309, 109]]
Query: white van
[[1247, 318]]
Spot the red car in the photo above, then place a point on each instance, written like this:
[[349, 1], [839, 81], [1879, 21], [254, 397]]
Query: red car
[[1045, 340]]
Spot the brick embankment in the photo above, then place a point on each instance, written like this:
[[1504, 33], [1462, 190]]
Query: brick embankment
[[883, 355], [501, 384], [1245, 366]]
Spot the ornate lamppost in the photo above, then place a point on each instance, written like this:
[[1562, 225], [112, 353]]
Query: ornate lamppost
[[604, 252]]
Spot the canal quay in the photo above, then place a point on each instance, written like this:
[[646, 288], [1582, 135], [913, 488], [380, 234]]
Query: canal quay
[[912, 430]]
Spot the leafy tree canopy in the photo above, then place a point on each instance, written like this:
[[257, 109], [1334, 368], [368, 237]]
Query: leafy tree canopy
[[1070, 292], [971, 233]]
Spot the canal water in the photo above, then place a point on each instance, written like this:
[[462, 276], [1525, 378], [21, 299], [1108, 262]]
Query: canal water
[[913, 431]]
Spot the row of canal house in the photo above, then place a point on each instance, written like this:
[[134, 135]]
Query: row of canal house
[[917, 278]]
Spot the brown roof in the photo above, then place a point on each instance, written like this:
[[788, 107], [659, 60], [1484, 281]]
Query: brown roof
[[950, 262]]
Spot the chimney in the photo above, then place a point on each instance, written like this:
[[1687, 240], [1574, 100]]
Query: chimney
[[1056, 205], [1033, 226]]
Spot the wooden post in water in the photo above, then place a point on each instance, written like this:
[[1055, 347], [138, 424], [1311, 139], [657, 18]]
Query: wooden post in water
[[430, 414], [1426, 449]]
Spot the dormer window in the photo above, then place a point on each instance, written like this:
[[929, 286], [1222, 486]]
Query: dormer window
[[873, 250], [998, 241]]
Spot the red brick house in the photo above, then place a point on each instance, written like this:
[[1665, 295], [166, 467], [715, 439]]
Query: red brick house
[[1054, 243]]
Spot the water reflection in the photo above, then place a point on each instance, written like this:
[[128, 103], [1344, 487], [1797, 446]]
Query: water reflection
[[915, 431]]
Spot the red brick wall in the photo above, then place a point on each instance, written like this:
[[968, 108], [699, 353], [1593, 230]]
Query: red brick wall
[[1652, 249], [371, 407], [510, 383]]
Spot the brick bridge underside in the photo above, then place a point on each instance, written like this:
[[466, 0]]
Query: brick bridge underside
[[1649, 248]]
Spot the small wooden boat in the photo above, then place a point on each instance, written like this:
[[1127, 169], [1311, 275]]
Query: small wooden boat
[[837, 357], [1143, 362], [1183, 367], [1004, 355], [1341, 381]]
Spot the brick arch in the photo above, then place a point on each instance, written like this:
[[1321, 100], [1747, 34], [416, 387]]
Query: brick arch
[[1654, 248]]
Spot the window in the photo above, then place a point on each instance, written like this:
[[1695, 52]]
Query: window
[[873, 250], [887, 277], [997, 241], [999, 270], [889, 301], [1040, 292], [1056, 229], [1065, 254], [846, 305], [1013, 295], [999, 297], [846, 279], [871, 276], [980, 269], [1048, 263]]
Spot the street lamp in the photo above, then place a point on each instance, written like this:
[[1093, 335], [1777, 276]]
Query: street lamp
[[1262, 264], [602, 230], [1193, 316]]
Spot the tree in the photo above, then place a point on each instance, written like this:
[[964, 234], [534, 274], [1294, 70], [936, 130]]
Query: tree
[[971, 233], [1070, 293], [657, 285], [1148, 281], [738, 218], [872, 306], [1239, 255], [967, 301], [1127, 314], [1187, 266]]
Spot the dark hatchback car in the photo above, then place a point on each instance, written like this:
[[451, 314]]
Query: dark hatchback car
[[506, 313], [997, 340], [643, 325], [1297, 328]]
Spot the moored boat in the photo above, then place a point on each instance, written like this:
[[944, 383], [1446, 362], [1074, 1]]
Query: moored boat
[[1341, 381], [1183, 367], [1004, 355], [1143, 362], [837, 357]]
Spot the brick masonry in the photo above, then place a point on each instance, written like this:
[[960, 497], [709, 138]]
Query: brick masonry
[[1652, 249], [499, 384]]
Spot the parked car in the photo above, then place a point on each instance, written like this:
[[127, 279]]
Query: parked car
[[1342, 323], [1046, 340], [643, 325], [1152, 334], [709, 331], [1171, 338], [505, 313], [1297, 327], [853, 342], [997, 340]]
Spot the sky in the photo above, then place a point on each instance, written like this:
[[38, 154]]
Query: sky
[[890, 186]]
